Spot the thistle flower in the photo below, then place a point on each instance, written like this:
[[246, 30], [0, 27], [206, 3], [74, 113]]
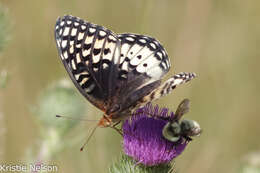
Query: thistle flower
[[143, 139]]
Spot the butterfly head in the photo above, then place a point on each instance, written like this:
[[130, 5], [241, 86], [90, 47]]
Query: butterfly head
[[105, 121]]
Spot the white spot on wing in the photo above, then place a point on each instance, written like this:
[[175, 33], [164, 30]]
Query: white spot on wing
[[89, 40], [83, 27], [112, 37], [82, 73], [86, 52], [58, 43], [78, 45], [65, 54], [78, 58], [64, 43], [102, 33], [159, 54], [73, 64], [130, 39], [60, 32], [62, 56], [62, 23], [104, 65], [76, 76], [84, 80], [71, 43], [96, 58], [71, 50], [66, 31], [125, 66], [73, 32], [117, 55], [164, 53], [164, 65], [168, 64], [99, 44], [178, 81], [95, 69], [80, 36], [153, 45], [142, 40], [92, 30], [90, 88]]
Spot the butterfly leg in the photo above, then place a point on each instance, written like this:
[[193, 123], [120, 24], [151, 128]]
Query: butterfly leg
[[119, 130]]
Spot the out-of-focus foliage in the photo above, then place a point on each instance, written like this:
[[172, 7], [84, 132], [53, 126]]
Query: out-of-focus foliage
[[59, 98], [250, 163], [216, 39], [4, 77], [4, 27], [4, 37]]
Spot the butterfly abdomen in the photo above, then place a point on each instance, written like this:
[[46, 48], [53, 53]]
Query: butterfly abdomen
[[168, 86]]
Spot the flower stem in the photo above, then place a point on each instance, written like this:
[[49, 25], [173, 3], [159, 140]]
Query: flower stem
[[126, 164]]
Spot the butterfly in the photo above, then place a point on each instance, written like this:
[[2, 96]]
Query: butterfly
[[117, 73]]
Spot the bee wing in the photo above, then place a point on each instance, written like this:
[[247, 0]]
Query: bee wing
[[182, 109]]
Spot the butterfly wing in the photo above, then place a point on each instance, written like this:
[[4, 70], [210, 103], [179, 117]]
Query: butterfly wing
[[143, 62], [90, 54]]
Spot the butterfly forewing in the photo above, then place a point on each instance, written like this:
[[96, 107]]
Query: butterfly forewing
[[89, 53]]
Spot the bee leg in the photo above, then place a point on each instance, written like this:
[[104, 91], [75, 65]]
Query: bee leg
[[188, 138]]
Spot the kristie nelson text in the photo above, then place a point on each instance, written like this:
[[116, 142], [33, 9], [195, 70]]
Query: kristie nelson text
[[28, 167]]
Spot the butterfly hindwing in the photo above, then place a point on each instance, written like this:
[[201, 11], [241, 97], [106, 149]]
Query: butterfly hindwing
[[143, 63]]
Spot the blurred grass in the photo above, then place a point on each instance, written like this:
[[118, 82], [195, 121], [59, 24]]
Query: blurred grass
[[216, 39], [4, 76], [4, 27]]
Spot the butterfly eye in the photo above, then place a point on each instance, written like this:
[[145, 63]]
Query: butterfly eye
[[171, 131]]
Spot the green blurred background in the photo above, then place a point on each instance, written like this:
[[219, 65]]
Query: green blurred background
[[217, 39]]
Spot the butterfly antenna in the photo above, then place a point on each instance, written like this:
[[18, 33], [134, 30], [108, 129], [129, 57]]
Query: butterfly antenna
[[90, 135], [71, 118]]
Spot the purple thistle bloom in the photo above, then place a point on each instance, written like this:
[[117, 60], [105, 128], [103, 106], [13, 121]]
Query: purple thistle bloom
[[143, 140]]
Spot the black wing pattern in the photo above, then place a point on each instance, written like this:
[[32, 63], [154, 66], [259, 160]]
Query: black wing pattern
[[111, 71], [88, 53], [143, 63]]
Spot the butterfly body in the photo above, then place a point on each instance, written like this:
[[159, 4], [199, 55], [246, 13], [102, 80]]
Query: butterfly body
[[116, 73]]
